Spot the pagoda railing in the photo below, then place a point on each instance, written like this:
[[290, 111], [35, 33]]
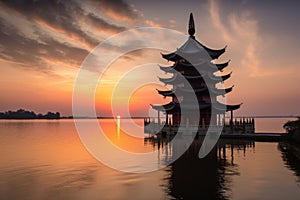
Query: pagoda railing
[[242, 125]]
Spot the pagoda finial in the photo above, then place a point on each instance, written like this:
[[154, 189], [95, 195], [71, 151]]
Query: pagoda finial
[[191, 26]]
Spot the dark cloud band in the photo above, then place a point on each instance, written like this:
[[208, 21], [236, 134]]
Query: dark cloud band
[[67, 18]]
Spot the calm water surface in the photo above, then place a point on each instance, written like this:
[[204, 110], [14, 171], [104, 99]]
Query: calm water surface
[[44, 159]]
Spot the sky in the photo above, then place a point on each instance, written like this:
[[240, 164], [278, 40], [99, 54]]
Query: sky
[[44, 43]]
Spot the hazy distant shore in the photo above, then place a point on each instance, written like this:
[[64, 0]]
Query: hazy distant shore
[[25, 114]]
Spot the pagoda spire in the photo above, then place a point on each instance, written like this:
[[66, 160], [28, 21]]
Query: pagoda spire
[[191, 30]]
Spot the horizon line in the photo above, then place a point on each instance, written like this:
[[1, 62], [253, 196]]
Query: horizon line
[[142, 117]]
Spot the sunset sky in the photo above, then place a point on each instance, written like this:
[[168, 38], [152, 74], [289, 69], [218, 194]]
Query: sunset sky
[[43, 43]]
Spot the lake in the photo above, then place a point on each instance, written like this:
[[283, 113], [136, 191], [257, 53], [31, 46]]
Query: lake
[[45, 159]]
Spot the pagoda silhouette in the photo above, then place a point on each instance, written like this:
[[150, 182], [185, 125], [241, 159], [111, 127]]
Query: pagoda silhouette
[[193, 75]]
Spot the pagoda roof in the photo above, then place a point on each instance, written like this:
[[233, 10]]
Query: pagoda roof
[[191, 90], [172, 106], [193, 48], [175, 78], [166, 93], [221, 66], [221, 106], [198, 66], [203, 89], [165, 107], [179, 90], [168, 69], [218, 91], [220, 78], [189, 106], [169, 93], [169, 80], [233, 107]]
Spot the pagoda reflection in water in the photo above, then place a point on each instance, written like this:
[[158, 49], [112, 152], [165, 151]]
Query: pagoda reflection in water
[[193, 76], [207, 178]]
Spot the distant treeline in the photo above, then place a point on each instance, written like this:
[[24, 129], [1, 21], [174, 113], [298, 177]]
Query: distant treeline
[[24, 114]]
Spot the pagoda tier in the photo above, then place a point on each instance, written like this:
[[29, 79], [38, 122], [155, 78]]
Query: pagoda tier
[[167, 107], [199, 66], [173, 107], [178, 79], [183, 91], [191, 49]]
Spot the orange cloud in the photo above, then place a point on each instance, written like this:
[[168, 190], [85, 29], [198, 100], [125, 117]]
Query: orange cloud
[[153, 24], [69, 36], [242, 27]]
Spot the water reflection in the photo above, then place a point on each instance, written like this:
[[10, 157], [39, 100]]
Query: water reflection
[[46, 160], [118, 127], [207, 178], [291, 157], [46, 182]]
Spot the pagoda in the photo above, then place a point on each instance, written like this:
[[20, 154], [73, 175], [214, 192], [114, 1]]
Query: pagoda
[[193, 73]]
